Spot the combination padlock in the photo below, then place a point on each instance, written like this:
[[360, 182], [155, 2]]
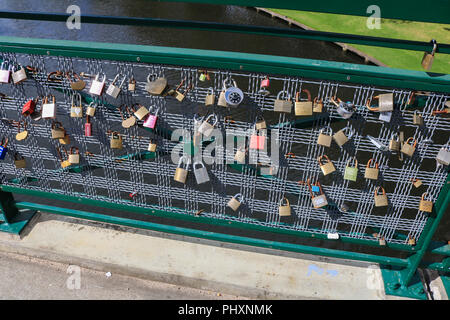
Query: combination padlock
[[344, 109], [19, 76], [48, 108], [5, 72], [201, 174], [114, 90], [181, 173], [284, 209], [235, 201], [328, 167], [233, 95], [76, 111], [303, 108], [97, 86], [381, 200], [157, 86], [283, 105], [351, 173]]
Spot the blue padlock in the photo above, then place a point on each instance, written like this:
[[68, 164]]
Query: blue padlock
[[3, 148]]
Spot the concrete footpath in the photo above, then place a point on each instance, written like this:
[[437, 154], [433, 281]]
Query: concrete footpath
[[213, 269]]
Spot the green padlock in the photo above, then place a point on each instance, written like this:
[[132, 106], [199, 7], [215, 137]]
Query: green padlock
[[351, 173]]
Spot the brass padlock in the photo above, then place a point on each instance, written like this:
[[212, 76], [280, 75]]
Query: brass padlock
[[64, 163], [90, 111], [235, 201], [210, 97], [76, 111], [181, 95], [132, 84], [21, 135], [157, 86], [222, 102], [152, 146], [116, 140], [417, 119], [416, 182], [320, 200], [380, 200], [303, 108], [317, 105], [130, 120], [351, 173], [141, 113], [425, 205], [328, 167], [58, 130], [65, 139], [408, 149], [427, 60], [74, 156], [283, 105], [19, 161], [240, 155], [260, 123], [325, 139], [371, 173], [18, 76], [75, 85], [385, 103], [340, 138], [411, 241], [284, 209], [394, 143], [181, 173]]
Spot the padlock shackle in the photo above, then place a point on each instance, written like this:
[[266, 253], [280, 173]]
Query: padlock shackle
[[58, 150], [54, 123], [182, 159], [335, 101], [77, 151], [351, 132], [370, 162], [287, 202], [97, 76], [411, 138], [423, 196], [4, 142], [376, 190], [52, 76], [79, 98], [327, 127], [369, 101], [238, 196], [319, 159], [215, 117], [356, 162], [151, 74], [297, 95], [287, 93], [115, 134], [198, 162], [17, 155], [317, 184]]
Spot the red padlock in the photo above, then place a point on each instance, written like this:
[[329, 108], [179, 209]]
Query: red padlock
[[264, 85], [257, 142], [87, 127], [28, 108]]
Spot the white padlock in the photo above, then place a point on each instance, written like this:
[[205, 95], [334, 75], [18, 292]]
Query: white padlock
[[97, 86], [206, 128]]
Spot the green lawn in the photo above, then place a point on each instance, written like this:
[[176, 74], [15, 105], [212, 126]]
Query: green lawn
[[390, 28]]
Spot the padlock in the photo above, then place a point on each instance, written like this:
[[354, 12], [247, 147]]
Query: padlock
[[443, 156], [411, 241], [385, 103], [114, 90], [394, 143], [281, 105], [233, 95], [263, 86], [180, 95], [201, 174], [407, 148], [130, 120], [222, 102], [351, 173], [328, 167], [116, 140], [21, 135], [260, 123], [5, 72], [425, 205], [417, 119], [204, 75], [19, 161], [75, 85], [284, 210], [29, 107], [132, 84], [141, 113], [181, 173], [240, 155], [303, 108], [317, 105], [210, 97], [97, 86], [58, 130], [3, 148], [427, 60], [416, 182], [206, 128], [385, 116], [19, 75], [320, 200], [235, 201], [150, 121], [157, 86], [74, 155], [90, 111], [36, 115], [76, 111], [340, 138], [88, 127], [257, 141], [325, 139], [344, 109], [64, 163], [48, 109], [152, 146], [380, 200], [371, 173]]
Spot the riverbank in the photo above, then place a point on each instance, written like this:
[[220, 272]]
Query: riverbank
[[390, 28]]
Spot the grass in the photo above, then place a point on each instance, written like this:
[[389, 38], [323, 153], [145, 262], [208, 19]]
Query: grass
[[390, 28]]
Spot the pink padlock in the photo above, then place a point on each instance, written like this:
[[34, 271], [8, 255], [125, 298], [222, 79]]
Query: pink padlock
[[5, 72], [257, 142], [264, 85], [150, 121], [87, 127]]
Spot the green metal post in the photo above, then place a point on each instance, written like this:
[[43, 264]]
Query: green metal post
[[13, 219]]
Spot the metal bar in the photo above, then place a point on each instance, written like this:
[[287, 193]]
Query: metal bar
[[233, 28], [315, 69], [413, 10], [216, 236], [8, 206]]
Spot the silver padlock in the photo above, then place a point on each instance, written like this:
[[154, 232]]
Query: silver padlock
[[114, 90], [283, 105], [19, 75], [443, 156], [201, 174], [97, 86], [344, 109], [385, 116], [206, 128], [233, 95], [5, 72]]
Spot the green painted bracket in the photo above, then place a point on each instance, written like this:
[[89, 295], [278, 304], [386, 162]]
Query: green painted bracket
[[393, 280]]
